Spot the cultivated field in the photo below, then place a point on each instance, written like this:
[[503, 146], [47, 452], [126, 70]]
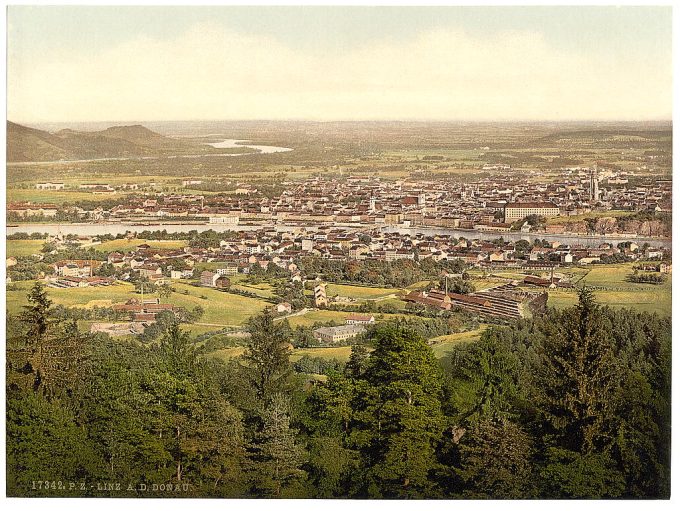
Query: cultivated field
[[611, 288], [23, 248], [221, 308], [56, 197]]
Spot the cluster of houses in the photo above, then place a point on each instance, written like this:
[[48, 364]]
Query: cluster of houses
[[142, 314], [284, 248], [145, 310], [491, 203], [77, 273]]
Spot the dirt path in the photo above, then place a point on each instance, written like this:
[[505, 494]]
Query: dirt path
[[301, 312]]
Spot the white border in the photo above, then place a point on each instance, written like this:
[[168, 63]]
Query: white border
[[313, 505]]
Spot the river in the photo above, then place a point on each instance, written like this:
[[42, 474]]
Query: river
[[263, 149], [122, 228]]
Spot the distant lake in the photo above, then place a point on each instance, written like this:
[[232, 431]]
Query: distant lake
[[263, 149], [225, 144]]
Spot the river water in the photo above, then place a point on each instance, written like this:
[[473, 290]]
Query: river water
[[263, 149], [122, 228]]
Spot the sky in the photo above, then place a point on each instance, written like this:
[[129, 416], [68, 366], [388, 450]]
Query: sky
[[80, 64]]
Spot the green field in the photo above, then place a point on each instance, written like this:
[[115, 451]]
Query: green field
[[19, 248], [399, 304], [341, 353], [263, 289], [612, 289], [76, 297], [445, 343], [56, 197], [360, 292], [221, 309], [227, 353], [609, 275], [125, 245], [594, 214], [28, 247]]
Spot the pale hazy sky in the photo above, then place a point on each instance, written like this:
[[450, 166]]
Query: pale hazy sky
[[323, 63]]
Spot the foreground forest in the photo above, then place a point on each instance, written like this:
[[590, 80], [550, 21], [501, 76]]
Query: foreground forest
[[572, 404]]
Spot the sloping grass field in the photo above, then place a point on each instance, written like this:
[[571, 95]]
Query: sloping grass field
[[445, 343], [359, 292], [611, 288], [221, 309]]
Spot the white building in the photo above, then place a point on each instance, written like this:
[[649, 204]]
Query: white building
[[360, 319], [49, 186], [218, 218], [518, 210]]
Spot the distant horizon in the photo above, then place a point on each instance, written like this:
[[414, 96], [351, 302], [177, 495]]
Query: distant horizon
[[135, 122]]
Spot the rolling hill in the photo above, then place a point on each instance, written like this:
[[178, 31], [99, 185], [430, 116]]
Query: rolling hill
[[26, 144]]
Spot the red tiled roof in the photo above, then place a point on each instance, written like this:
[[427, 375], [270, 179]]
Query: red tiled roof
[[359, 317]]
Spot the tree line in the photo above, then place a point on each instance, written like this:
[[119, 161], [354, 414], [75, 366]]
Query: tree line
[[572, 404]]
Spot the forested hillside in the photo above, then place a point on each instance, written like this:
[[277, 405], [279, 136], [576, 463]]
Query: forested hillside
[[574, 404], [26, 144]]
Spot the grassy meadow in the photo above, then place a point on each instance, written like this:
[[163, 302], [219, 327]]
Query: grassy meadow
[[611, 288], [360, 292], [443, 345], [221, 309], [23, 248]]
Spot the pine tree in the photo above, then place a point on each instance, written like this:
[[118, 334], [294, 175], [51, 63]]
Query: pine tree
[[496, 463], [356, 365], [276, 456], [267, 355], [398, 418], [45, 445], [36, 314], [176, 350], [46, 356], [577, 380]]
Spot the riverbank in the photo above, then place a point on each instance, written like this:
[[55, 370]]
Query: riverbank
[[92, 229]]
